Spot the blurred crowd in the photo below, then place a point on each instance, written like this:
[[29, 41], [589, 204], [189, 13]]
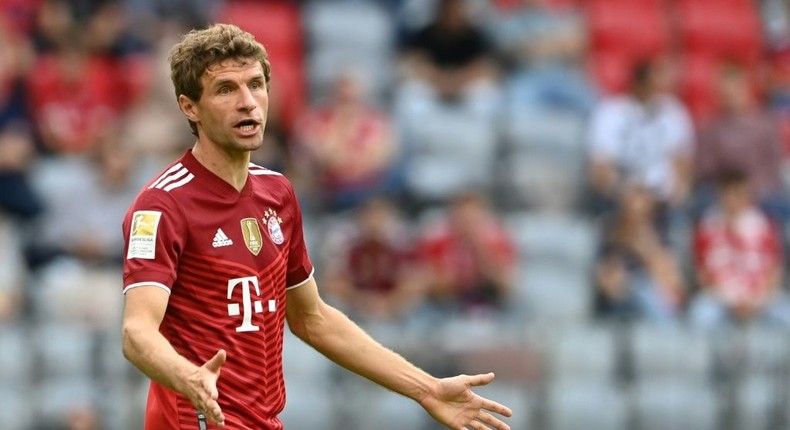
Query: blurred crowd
[[507, 162]]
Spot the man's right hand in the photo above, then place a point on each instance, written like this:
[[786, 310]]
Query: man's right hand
[[201, 388]]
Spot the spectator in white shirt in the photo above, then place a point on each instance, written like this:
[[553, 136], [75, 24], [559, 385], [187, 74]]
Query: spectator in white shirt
[[643, 137]]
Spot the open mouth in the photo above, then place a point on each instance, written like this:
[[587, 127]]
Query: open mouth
[[247, 125]]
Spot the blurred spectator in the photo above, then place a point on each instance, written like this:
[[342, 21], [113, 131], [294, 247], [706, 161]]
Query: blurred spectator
[[546, 46], [77, 245], [778, 67], [17, 148], [73, 97], [470, 258], [776, 22], [372, 272], [742, 137], [13, 273], [187, 13], [347, 146], [637, 275], [449, 60], [104, 179], [110, 31], [53, 23], [644, 136], [738, 260], [154, 126]]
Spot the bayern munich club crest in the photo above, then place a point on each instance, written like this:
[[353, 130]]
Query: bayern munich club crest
[[273, 222]]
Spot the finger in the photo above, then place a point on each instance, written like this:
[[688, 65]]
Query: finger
[[214, 413], [493, 406], [479, 380], [491, 421], [476, 425], [216, 362]]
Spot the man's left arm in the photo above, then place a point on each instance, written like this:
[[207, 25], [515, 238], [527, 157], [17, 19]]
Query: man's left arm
[[450, 401]]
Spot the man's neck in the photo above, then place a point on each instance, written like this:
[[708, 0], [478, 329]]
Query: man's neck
[[230, 167]]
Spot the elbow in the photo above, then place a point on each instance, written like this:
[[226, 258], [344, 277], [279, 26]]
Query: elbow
[[128, 335], [299, 329], [308, 326]]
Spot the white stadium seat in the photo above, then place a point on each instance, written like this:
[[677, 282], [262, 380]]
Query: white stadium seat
[[675, 404], [581, 404]]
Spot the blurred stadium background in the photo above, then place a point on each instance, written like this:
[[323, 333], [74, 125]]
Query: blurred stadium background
[[475, 151]]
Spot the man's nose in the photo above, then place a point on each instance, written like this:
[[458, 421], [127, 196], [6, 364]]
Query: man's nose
[[247, 102]]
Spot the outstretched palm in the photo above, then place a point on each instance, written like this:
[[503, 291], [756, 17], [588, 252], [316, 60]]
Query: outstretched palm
[[455, 405]]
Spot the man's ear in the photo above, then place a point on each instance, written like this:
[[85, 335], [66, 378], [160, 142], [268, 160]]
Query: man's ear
[[189, 107]]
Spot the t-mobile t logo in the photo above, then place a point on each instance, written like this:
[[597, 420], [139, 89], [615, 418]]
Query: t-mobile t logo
[[246, 301]]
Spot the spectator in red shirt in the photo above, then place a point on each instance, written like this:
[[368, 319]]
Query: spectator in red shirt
[[73, 98], [348, 145], [469, 257], [739, 260], [371, 270]]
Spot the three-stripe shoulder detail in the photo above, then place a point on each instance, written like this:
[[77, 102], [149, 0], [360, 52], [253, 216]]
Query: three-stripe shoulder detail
[[258, 170], [172, 178]]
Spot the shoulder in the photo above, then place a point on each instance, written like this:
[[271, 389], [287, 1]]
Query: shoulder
[[173, 177], [613, 108], [263, 173], [757, 220], [271, 180], [673, 107], [164, 189]]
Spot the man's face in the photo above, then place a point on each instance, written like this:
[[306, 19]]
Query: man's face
[[231, 112], [735, 198]]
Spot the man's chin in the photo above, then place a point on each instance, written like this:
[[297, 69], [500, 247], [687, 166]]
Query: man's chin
[[250, 144]]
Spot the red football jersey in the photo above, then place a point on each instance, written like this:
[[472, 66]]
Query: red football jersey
[[738, 256], [227, 259]]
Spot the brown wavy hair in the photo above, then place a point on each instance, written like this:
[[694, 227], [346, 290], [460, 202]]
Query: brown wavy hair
[[199, 50]]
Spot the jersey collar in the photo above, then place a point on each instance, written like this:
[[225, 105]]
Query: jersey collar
[[212, 182]]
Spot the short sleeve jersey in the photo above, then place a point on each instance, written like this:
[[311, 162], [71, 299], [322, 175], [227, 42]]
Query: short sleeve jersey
[[226, 258]]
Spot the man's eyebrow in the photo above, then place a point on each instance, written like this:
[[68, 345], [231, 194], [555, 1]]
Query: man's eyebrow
[[222, 82]]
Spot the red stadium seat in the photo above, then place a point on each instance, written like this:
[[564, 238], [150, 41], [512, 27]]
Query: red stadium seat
[[698, 84], [19, 15], [278, 25], [634, 28], [725, 29], [611, 71], [697, 87]]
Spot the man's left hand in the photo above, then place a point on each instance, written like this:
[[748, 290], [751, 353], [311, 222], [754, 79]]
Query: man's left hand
[[453, 404]]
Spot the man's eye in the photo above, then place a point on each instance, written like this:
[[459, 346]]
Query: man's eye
[[224, 90], [256, 85]]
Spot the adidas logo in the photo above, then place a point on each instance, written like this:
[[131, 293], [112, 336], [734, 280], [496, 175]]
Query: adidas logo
[[220, 239]]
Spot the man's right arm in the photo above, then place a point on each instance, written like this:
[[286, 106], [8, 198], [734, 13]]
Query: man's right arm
[[146, 348]]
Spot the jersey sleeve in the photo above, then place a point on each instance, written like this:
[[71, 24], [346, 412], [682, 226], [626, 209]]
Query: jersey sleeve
[[155, 232], [300, 269]]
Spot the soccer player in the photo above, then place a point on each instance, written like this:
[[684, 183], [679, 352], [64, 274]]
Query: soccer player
[[216, 263]]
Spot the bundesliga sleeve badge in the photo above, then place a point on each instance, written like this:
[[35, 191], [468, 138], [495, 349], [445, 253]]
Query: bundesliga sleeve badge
[[142, 235]]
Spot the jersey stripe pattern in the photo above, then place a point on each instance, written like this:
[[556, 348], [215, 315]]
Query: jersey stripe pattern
[[227, 257], [256, 376]]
